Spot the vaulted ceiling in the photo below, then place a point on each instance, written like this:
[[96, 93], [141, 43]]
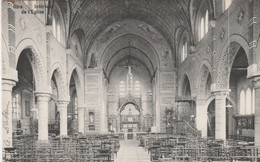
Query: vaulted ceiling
[[93, 16]]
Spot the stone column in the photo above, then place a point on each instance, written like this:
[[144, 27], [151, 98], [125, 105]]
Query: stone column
[[201, 117], [256, 83], [220, 114], [62, 108], [7, 129], [42, 104], [81, 116]]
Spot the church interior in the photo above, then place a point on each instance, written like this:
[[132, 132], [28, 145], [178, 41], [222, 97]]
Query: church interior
[[130, 80]]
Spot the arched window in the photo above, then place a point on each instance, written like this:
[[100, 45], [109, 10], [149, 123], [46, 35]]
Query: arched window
[[16, 106], [58, 32], [248, 101], [202, 25], [206, 22], [122, 88], [226, 4], [184, 51], [137, 88], [75, 105], [56, 26], [253, 101], [242, 102]]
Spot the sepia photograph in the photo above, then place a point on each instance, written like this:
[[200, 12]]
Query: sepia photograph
[[130, 80]]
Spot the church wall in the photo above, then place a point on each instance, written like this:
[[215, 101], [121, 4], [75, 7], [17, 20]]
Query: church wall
[[204, 49], [30, 27], [230, 24], [4, 20]]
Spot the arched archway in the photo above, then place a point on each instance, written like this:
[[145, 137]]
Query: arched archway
[[227, 57], [72, 112], [76, 74], [239, 83], [57, 74], [36, 62], [130, 117], [25, 112], [186, 87], [204, 81]]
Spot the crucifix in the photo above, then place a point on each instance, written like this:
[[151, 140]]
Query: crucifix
[[129, 65]]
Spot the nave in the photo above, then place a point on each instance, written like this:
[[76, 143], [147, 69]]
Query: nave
[[144, 147], [180, 78], [130, 151]]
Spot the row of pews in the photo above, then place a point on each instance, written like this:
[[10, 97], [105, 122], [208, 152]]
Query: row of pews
[[91, 148], [169, 148]]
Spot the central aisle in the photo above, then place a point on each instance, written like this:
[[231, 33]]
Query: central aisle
[[130, 152]]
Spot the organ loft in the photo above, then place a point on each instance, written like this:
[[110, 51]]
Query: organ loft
[[130, 80]]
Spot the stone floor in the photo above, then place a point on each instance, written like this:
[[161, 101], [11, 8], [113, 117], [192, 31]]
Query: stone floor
[[130, 152]]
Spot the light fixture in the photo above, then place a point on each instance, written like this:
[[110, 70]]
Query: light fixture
[[229, 106]]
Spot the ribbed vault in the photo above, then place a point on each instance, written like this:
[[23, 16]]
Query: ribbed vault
[[165, 16], [132, 53], [132, 45]]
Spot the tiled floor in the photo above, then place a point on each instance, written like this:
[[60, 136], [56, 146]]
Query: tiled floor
[[130, 152]]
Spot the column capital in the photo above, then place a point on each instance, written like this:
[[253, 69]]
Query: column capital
[[221, 93], [63, 102], [256, 82], [43, 96], [7, 85]]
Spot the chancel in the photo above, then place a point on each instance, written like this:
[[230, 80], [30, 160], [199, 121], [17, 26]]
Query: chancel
[[130, 80]]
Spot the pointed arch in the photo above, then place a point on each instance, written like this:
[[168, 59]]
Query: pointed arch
[[227, 57], [76, 73], [186, 86], [57, 73], [204, 74]]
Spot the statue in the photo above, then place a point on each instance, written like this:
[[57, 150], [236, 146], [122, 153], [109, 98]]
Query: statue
[[93, 61]]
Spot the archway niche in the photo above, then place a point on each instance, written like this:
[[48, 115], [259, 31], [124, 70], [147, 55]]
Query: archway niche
[[24, 110], [72, 112], [242, 93], [53, 116], [185, 103]]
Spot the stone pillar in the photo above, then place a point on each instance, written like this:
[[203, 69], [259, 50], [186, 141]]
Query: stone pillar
[[256, 83], [220, 114], [42, 104], [81, 115], [201, 117], [7, 129], [62, 108]]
